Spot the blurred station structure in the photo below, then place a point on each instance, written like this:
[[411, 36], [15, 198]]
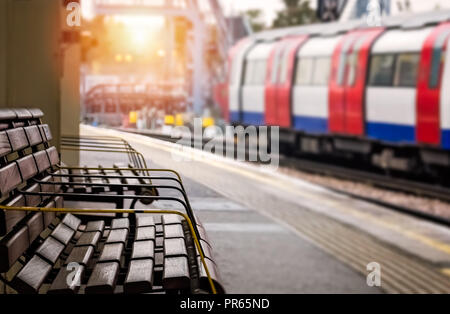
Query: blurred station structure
[[193, 54], [349, 192]]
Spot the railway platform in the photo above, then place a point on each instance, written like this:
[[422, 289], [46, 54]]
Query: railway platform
[[273, 233]]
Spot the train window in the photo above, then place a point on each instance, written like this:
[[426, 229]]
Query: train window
[[438, 59], [321, 73], [382, 70], [352, 61], [248, 72], [304, 71], [406, 70], [284, 67], [260, 71], [234, 71], [255, 72], [276, 66], [435, 70]]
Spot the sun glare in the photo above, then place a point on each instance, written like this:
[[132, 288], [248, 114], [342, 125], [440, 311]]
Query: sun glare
[[140, 37], [141, 29]]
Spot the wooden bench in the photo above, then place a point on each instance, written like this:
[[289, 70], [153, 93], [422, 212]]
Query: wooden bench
[[46, 249]]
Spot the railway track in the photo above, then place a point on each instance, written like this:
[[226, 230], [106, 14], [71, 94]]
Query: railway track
[[383, 181]]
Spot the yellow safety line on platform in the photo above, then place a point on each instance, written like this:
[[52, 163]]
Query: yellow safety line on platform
[[438, 245], [124, 211]]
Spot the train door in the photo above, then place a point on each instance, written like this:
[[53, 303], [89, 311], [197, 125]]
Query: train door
[[347, 86], [235, 78], [311, 84], [271, 117], [254, 84], [280, 81], [428, 128], [336, 119]]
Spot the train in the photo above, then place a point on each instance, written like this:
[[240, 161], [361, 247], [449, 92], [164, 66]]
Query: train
[[375, 93]]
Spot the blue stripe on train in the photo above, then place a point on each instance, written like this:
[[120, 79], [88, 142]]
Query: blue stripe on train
[[395, 133], [445, 136], [249, 118], [311, 124], [234, 116], [391, 132], [253, 118]]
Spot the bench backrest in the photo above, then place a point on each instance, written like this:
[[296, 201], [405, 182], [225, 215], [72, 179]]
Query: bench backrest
[[25, 156]]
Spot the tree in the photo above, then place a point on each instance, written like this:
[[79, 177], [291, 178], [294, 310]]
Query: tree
[[297, 12], [255, 16]]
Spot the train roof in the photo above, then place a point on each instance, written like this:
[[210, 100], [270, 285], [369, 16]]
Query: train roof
[[404, 21]]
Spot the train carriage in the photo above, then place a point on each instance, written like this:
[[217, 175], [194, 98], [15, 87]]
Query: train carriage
[[381, 92], [310, 90]]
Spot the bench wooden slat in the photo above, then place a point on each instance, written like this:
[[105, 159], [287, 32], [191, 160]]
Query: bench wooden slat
[[103, 278], [213, 271], [139, 277], [143, 250], [33, 135], [8, 219], [47, 188], [23, 114], [53, 156], [35, 225], [63, 233], [36, 113], [71, 221], [145, 233], [5, 147], [42, 161], [171, 219], [120, 223], [33, 200], [144, 220], [176, 273], [31, 277], [12, 247], [7, 114], [49, 217], [27, 167], [117, 236], [175, 247], [89, 239], [50, 250], [60, 286], [95, 226], [173, 231], [45, 132], [9, 178], [81, 255], [17, 138], [111, 252], [57, 180]]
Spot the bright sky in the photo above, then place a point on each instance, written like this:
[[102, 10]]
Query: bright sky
[[231, 7], [269, 7]]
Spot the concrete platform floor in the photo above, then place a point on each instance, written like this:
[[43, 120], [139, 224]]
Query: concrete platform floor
[[271, 236]]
